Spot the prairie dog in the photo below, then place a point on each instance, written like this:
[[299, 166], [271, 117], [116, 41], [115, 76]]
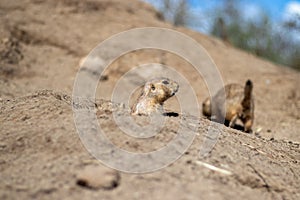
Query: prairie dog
[[239, 104], [155, 93]]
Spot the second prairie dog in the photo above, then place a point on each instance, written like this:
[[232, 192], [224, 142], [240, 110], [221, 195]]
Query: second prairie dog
[[155, 93], [239, 104]]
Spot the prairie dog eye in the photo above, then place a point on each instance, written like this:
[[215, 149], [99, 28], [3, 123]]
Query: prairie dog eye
[[152, 87], [165, 82]]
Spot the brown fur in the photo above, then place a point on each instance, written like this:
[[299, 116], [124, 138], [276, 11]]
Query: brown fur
[[239, 104], [155, 93]]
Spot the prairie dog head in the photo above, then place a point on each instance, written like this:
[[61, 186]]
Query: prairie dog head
[[155, 93], [160, 89]]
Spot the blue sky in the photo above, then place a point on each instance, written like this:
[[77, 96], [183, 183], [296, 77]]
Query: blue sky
[[275, 8]]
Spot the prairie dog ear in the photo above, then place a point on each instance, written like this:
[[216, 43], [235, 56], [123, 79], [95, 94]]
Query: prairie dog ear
[[148, 88], [152, 87]]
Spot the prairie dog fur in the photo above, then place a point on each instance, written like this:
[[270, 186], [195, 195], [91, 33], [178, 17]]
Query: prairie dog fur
[[239, 104], [155, 93]]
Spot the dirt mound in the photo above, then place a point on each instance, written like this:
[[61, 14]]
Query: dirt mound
[[38, 136], [41, 45]]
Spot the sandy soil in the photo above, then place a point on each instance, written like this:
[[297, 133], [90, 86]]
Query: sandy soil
[[42, 43]]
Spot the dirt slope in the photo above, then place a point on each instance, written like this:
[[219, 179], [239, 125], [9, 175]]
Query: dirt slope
[[42, 43]]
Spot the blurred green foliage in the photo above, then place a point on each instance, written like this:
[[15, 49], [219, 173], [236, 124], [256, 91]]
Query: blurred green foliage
[[259, 35]]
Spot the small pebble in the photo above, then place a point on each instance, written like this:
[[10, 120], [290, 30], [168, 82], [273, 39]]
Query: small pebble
[[188, 162], [98, 177], [2, 145]]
